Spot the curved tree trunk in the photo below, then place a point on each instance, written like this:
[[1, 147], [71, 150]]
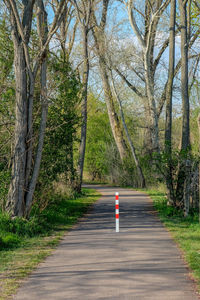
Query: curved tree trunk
[[113, 117], [100, 45], [139, 169]]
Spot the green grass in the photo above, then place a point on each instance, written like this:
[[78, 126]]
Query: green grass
[[185, 231], [23, 244]]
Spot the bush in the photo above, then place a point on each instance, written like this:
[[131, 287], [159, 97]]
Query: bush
[[61, 210], [10, 241], [161, 205], [21, 226], [62, 125], [1, 243]]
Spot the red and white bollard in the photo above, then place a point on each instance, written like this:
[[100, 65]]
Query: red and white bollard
[[117, 211]]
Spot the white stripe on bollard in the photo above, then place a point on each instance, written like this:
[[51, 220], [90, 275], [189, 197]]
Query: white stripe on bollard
[[117, 211]]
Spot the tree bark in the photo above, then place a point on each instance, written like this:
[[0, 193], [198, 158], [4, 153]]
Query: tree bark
[[185, 138], [198, 122], [16, 191], [187, 184], [83, 15], [152, 105], [42, 33], [15, 203], [84, 108], [185, 141], [25, 76], [168, 120]]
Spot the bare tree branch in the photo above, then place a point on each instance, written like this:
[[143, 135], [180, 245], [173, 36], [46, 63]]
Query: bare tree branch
[[132, 87]]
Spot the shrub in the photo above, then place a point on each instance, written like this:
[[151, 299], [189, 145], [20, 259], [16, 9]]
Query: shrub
[[1, 243], [11, 241]]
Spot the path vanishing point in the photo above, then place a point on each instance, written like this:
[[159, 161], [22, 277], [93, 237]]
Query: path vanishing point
[[94, 262]]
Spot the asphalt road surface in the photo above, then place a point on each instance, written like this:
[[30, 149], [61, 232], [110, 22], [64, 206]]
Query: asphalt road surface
[[94, 262]]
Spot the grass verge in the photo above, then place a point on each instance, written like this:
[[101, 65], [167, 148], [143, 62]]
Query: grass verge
[[24, 244], [185, 231]]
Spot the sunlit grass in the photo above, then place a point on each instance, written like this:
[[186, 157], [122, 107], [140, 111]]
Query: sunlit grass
[[18, 259]]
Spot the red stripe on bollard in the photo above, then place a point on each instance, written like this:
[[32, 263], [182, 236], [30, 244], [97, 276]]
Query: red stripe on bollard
[[117, 211]]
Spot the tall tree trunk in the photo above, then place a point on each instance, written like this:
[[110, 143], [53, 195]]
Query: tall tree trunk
[[83, 11], [100, 45], [25, 76], [198, 121], [187, 185], [42, 32], [168, 121], [112, 114], [148, 52], [15, 202], [16, 192], [185, 139], [152, 104], [84, 108], [36, 169], [147, 145], [139, 169], [21, 30], [29, 137], [153, 11]]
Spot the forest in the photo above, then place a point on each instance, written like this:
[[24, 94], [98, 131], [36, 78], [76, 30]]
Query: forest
[[97, 91], [104, 91]]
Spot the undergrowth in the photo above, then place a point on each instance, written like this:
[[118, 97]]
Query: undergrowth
[[24, 243]]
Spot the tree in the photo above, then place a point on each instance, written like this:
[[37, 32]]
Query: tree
[[42, 29], [62, 124], [153, 11], [185, 138], [83, 14], [169, 89], [24, 175], [98, 31], [66, 37], [133, 152], [198, 122], [149, 83], [7, 95]]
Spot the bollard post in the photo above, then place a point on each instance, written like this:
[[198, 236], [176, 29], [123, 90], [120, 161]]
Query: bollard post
[[117, 211]]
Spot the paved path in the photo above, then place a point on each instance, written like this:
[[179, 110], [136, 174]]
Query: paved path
[[93, 262]]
